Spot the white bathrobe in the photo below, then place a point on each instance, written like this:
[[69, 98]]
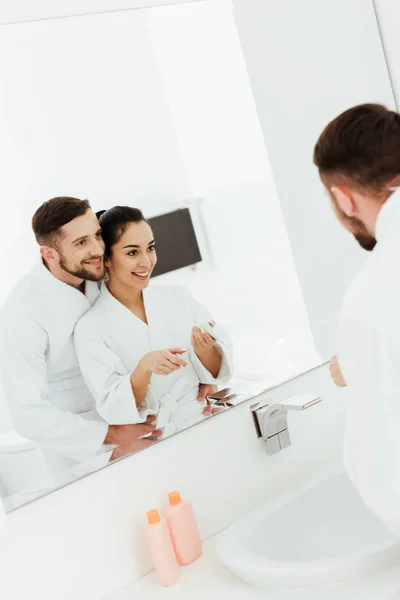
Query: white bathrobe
[[369, 356], [48, 399], [110, 341]]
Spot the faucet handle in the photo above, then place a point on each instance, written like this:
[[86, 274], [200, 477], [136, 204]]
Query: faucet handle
[[270, 419], [300, 401]]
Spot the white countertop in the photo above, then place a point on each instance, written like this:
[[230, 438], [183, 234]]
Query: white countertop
[[207, 578]]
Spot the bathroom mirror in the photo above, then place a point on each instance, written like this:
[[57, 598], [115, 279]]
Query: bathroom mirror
[[144, 109]]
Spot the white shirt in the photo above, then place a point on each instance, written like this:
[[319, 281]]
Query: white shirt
[[48, 399], [369, 356]]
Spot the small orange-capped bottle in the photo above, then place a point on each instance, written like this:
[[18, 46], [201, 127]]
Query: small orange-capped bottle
[[183, 529], [161, 549]]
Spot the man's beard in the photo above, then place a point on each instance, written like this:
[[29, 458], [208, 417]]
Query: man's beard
[[366, 240], [80, 271], [356, 227], [361, 234]]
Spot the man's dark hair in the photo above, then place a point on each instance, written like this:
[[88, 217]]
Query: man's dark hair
[[361, 147], [53, 214]]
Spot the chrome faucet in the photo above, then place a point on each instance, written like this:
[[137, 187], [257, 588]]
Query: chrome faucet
[[270, 420]]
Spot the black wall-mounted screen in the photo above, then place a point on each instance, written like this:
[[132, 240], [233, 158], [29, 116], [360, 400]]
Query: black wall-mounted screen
[[176, 242]]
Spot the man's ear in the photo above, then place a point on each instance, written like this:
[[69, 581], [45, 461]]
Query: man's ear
[[345, 200], [48, 253]]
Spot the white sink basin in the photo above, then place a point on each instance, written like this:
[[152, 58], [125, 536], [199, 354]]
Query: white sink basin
[[321, 536]]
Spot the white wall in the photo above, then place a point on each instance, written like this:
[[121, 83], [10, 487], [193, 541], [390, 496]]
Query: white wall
[[222, 147], [88, 539], [388, 12], [75, 121], [307, 62], [15, 11]]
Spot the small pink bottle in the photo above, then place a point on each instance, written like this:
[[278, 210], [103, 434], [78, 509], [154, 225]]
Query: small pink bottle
[[183, 529], [161, 549]]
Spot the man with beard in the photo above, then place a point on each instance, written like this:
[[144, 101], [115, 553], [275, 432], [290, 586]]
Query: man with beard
[[47, 397], [358, 158]]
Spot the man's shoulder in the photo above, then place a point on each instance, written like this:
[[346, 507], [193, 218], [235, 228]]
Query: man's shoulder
[[374, 295], [19, 302], [21, 327]]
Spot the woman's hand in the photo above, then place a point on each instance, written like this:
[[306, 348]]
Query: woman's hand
[[205, 390], [163, 362], [206, 350], [200, 339]]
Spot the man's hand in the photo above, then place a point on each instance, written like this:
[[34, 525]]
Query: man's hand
[[336, 372], [123, 435], [127, 437], [134, 446]]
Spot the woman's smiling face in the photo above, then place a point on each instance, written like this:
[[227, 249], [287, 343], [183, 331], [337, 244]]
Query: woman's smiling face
[[133, 257]]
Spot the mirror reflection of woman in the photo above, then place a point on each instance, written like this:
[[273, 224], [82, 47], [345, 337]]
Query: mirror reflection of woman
[[145, 349]]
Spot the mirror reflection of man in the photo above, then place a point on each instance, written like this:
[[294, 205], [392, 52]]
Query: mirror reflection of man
[[47, 397], [358, 158]]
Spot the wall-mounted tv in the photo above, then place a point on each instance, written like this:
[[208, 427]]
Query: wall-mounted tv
[[176, 241]]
